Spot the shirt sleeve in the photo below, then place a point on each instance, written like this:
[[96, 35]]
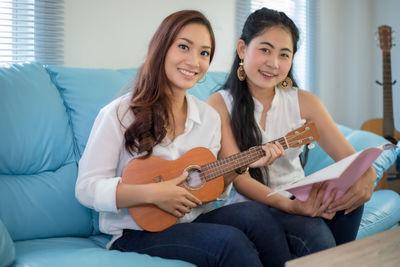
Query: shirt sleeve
[[97, 182]]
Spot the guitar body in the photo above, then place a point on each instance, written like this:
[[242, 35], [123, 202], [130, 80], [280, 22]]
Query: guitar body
[[376, 126], [156, 169]]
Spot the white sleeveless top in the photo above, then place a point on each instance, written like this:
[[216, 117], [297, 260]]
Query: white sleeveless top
[[283, 116]]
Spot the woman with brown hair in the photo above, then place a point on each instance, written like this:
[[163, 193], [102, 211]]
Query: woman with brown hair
[[159, 118]]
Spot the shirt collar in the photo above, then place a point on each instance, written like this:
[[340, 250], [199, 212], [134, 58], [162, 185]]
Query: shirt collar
[[193, 113], [258, 107]]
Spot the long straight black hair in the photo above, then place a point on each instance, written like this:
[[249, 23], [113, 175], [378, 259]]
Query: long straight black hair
[[244, 126]]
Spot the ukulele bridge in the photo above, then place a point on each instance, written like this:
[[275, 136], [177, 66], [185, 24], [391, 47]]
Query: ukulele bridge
[[194, 181]]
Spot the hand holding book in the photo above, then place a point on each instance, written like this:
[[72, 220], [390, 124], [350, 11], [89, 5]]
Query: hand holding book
[[341, 175]]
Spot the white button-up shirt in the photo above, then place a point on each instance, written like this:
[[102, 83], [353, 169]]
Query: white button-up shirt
[[105, 157]]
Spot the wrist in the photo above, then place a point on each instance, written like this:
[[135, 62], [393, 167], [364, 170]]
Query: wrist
[[242, 170]]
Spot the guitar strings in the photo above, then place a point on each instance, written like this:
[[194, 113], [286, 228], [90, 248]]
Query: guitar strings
[[215, 169]]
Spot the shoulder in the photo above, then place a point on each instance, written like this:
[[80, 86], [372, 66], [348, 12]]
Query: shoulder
[[310, 105], [218, 102], [121, 102], [308, 99], [205, 110], [215, 99], [117, 109]]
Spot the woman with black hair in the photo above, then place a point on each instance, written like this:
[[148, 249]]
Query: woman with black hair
[[261, 102]]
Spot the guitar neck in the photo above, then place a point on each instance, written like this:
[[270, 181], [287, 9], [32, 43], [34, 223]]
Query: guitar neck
[[388, 124], [223, 166]]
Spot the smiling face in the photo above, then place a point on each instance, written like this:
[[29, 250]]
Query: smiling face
[[188, 58], [267, 58]]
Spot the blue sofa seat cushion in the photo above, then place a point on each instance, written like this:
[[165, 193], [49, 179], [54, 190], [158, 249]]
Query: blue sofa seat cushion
[[7, 249], [75, 251]]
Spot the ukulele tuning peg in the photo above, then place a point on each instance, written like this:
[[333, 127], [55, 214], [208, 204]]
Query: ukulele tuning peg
[[311, 146]]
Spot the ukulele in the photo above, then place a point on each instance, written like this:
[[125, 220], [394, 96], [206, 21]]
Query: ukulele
[[205, 174], [385, 127]]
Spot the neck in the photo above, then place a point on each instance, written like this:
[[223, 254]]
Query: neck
[[263, 95], [178, 102]]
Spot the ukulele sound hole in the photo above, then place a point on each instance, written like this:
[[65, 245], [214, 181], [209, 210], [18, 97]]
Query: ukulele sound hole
[[194, 181]]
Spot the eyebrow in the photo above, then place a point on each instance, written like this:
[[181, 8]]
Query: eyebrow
[[284, 49], [190, 42]]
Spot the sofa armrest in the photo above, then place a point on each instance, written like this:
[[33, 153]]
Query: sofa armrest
[[7, 249]]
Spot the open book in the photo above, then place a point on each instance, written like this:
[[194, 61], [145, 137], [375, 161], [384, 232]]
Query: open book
[[342, 174]]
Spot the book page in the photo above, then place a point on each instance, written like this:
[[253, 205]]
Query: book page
[[341, 174]]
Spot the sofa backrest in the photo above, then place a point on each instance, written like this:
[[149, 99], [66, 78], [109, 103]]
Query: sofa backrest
[[37, 163], [86, 91]]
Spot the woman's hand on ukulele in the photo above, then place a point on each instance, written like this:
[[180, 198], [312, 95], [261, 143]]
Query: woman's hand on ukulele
[[314, 205], [272, 152], [173, 198]]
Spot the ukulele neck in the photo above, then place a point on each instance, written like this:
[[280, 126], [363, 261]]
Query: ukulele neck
[[220, 167]]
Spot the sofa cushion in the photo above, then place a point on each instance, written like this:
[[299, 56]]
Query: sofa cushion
[[85, 92], [7, 249], [33, 113], [37, 164], [82, 252], [381, 213], [210, 83]]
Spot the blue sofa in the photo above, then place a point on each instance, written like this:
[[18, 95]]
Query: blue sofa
[[46, 113]]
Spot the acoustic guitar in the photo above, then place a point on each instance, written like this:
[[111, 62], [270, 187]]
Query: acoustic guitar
[[385, 127], [205, 179]]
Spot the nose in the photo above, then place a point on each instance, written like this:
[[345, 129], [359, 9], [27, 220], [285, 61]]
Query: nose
[[272, 62], [193, 59]]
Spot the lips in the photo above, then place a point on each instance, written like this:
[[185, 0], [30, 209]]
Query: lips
[[187, 72], [267, 74]]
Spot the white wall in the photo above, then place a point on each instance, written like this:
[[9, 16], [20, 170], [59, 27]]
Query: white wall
[[115, 34], [350, 60]]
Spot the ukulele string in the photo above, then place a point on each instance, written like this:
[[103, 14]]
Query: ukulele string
[[217, 168]]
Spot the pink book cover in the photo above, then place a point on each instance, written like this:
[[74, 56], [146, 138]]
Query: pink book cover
[[341, 174]]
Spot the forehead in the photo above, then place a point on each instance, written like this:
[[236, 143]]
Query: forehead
[[196, 33], [276, 35]]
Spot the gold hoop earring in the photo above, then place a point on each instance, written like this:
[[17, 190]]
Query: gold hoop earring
[[241, 74], [285, 84]]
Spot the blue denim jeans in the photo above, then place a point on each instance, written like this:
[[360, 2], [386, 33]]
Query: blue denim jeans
[[345, 227], [241, 234], [306, 235]]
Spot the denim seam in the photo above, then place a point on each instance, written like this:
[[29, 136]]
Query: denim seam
[[301, 241]]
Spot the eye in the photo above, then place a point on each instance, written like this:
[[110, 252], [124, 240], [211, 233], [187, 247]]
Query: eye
[[183, 47], [205, 53], [285, 55], [265, 50]]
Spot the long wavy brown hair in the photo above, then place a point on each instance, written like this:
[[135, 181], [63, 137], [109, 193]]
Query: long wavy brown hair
[[150, 103]]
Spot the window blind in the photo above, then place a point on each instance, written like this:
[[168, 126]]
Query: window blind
[[32, 30], [304, 15]]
